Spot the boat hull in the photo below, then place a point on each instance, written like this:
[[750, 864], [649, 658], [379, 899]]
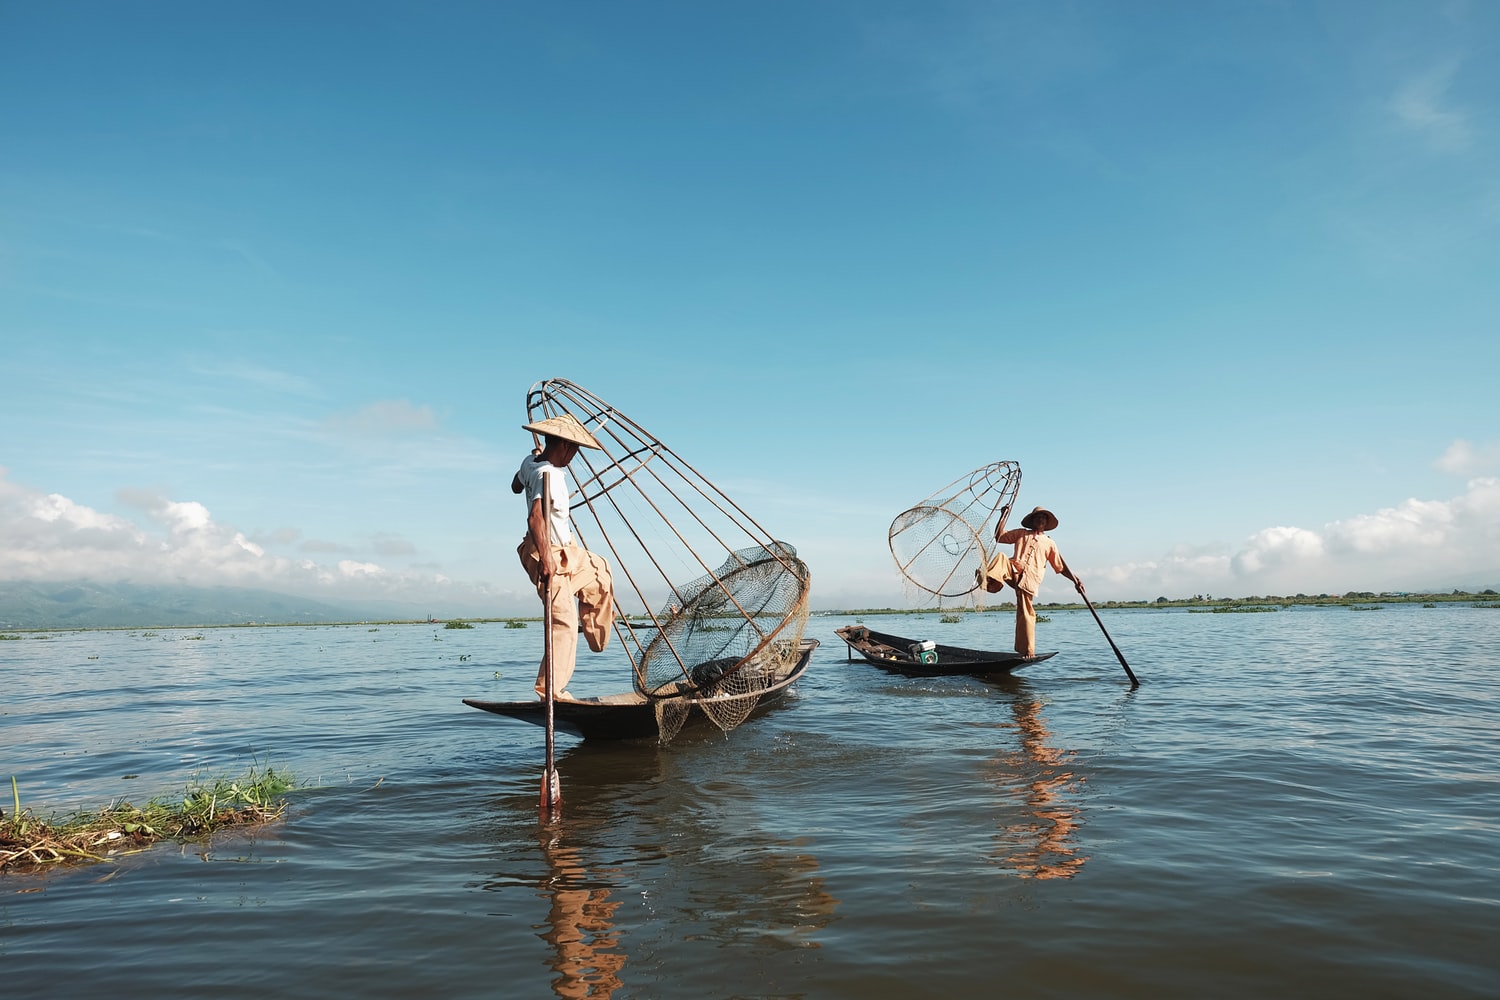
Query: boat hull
[[892, 652], [630, 715]]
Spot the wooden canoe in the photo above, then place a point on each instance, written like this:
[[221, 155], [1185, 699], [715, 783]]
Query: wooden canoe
[[631, 715], [893, 652]]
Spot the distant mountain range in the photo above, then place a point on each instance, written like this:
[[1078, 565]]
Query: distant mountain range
[[89, 604]]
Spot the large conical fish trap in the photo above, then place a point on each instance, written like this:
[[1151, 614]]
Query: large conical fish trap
[[709, 607], [941, 543]]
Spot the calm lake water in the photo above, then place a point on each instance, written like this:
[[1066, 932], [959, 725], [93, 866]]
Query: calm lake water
[[1301, 804]]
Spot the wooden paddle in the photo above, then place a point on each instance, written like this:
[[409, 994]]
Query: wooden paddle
[[1118, 655]]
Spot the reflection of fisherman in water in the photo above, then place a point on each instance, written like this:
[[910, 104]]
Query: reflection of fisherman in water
[[588, 956], [1039, 843]]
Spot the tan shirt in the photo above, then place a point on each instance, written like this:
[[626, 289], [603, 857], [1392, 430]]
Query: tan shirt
[[1034, 552]]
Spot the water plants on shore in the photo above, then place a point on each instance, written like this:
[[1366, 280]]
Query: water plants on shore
[[29, 842]]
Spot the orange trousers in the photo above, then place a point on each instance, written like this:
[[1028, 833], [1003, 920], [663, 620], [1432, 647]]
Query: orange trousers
[[1025, 623], [583, 589]]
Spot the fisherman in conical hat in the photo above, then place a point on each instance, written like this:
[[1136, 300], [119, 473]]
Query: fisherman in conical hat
[[580, 583], [1024, 569]]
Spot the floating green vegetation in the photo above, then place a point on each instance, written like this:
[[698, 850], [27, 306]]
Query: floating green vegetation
[[1043, 618], [29, 842], [1364, 607], [515, 623], [1429, 604], [1490, 606], [1229, 610], [950, 619], [9, 637], [458, 623]]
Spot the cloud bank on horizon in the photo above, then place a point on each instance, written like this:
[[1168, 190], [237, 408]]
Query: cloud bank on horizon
[[49, 537], [1417, 545]]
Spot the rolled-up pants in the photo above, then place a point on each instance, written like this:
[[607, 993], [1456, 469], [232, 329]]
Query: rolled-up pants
[[582, 590]]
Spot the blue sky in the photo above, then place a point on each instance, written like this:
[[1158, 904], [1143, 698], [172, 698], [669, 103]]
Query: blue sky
[[1221, 277]]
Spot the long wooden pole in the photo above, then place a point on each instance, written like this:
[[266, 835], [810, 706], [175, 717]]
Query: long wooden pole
[[550, 802], [1118, 655]]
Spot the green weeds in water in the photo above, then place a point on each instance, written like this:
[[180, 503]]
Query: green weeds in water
[[1229, 610], [515, 623], [456, 623], [26, 841]]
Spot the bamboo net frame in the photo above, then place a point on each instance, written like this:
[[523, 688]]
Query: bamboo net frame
[[940, 543], [710, 608]]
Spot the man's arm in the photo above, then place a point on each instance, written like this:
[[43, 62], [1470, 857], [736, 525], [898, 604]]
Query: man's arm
[[1062, 567]]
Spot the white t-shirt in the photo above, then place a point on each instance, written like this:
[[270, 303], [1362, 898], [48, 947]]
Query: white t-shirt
[[530, 475]]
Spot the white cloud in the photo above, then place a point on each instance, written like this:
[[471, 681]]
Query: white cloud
[[1465, 459], [1419, 105], [49, 537], [1272, 549], [388, 416], [1416, 545], [1181, 572]]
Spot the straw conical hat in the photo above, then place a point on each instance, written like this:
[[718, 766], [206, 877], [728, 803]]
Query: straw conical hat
[[1048, 519], [567, 427]]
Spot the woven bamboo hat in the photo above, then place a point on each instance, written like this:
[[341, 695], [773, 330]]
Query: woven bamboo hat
[[1046, 517], [567, 427]]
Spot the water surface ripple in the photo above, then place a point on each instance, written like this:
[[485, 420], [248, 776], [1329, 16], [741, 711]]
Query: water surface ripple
[[1303, 803]]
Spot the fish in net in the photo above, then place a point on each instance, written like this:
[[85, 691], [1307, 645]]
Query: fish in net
[[710, 608], [941, 543]]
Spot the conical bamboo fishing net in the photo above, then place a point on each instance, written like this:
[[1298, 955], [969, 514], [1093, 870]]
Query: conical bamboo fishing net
[[941, 543], [710, 607]]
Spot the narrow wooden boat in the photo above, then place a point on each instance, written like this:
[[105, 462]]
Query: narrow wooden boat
[[900, 654], [631, 715]]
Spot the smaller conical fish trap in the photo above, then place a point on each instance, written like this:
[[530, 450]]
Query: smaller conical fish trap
[[941, 543], [709, 607]]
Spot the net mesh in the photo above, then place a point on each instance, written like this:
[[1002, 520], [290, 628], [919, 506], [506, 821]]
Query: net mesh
[[734, 628], [737, 631], [942, 542]]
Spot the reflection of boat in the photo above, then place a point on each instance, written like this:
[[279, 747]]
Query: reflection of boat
[[633, 715], [903, 655]]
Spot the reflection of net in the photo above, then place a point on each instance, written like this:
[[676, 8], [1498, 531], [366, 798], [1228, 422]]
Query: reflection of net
[[941, 542], [716, 642], [737, 630]]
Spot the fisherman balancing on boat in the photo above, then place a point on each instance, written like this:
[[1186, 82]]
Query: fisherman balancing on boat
[[1024, 569], [581, 586]]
